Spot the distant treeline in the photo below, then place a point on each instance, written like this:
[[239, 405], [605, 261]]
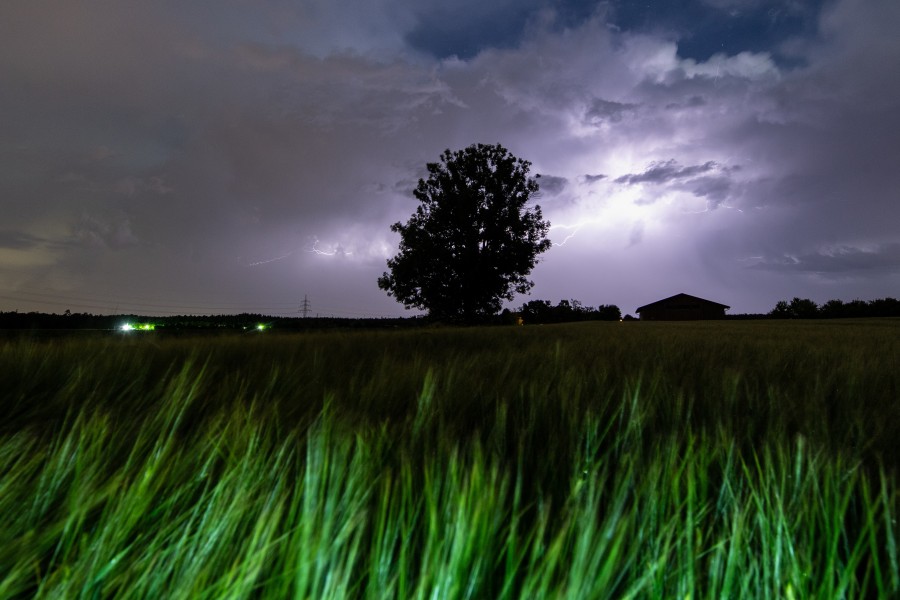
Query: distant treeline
[[533, 313], [241, 322], [541, 311], [804, 308]]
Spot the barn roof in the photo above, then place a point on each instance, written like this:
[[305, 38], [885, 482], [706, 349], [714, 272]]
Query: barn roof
[[681, 298]]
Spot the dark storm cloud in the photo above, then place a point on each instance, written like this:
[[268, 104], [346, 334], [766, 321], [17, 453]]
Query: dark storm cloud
[[608, 111], [715, 189], [691, 102], [594, 178], [552, 185], [104, 232], [660, 172], [839, 262], [831, 175], [468, 27], [254, 140], [731, 27], [18, 240], [442, 33]]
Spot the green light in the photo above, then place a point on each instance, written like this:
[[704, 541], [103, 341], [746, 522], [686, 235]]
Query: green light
[[138, 327], [261, 327]]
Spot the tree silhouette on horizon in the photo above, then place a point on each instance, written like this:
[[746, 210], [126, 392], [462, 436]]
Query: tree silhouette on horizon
[[472, 241]]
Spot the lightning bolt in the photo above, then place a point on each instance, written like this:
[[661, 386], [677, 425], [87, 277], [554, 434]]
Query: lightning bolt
[[334, 251], [271, 260], [315, 250], [573, 228], [312, 247]]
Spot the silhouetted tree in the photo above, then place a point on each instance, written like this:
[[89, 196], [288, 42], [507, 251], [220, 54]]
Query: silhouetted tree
[[798, 308], [782, 310], [608, 312], [833, 309], [856, 308], [472, 241], [884, 307], [804, 308], [537, 311], [541, 311], [836, 309]]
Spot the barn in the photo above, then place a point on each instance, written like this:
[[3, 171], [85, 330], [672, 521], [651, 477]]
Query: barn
[[682, 307]]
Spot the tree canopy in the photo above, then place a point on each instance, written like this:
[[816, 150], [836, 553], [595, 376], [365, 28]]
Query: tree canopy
[[472, 241], [541, 311], [804, 308]]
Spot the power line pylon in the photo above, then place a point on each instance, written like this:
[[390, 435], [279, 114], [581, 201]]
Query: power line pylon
[[305, 307]]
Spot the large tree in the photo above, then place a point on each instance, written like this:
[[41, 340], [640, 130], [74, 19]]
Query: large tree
[[472, 241]]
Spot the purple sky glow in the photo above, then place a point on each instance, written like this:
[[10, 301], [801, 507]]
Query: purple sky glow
[[231, 156]]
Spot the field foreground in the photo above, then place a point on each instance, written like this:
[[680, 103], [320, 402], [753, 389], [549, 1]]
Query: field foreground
[[594, 460]]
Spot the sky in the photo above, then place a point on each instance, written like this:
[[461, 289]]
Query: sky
[[225, 156]]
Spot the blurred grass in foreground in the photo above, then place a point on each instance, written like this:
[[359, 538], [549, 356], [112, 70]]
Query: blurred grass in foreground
[[594, 460]]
